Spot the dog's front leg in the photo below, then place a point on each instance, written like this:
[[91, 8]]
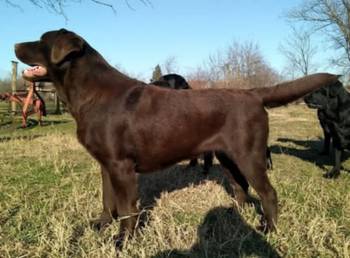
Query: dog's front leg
[[326, 143], [124, 181], [208, 161], [109, 202], [335, 171], [193, 162]]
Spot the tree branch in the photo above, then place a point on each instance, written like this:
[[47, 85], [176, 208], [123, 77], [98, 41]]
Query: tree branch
[[332, 17], [58, 6]]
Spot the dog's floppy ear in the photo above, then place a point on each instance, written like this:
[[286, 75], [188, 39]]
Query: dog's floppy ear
[[65, 44]]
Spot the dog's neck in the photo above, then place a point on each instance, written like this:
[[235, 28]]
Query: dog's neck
[[344, 96], [100, 83]]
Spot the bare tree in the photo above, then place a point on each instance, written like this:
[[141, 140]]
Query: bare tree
[[136, 75], [214, 66], [58, 6], [299, 52], [332, 18], [170, 65], [5, 85], [242, 64], [198, 74]]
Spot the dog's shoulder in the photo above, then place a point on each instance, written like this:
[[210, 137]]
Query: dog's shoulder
[[133, 97]]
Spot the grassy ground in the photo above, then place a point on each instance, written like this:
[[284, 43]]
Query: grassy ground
[[50, 189]]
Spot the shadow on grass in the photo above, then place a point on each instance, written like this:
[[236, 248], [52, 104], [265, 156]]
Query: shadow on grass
[[74, 241], [24, 137], [224, 233], [6, 123], [55, 122], [310, 152], [177, 177], [10, 214], [32, 123]]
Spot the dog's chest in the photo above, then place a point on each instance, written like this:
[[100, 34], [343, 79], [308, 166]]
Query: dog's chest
[[96, 142]]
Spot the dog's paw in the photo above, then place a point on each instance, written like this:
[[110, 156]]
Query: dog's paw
[[119, 240], [101, 223], [334, 173], [265, 227]]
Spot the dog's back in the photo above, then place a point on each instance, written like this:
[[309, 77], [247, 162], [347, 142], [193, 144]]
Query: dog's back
[[173, 81]]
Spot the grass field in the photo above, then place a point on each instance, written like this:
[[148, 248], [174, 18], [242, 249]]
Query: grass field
[[50, 190]]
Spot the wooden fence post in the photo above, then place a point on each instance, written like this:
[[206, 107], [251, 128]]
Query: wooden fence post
[[57, 105], [14, 86]]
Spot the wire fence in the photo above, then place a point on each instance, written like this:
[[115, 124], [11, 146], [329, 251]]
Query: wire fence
[[52, 106]]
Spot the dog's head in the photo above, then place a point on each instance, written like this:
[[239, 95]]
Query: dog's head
[[172, 81], [325, 97], [52, 52], [161, 83]]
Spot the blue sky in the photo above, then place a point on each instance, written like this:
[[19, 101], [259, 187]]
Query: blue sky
[[137, 40]]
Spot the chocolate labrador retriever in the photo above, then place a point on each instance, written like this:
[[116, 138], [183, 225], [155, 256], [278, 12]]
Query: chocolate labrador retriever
[[177, 82], [128, 128], [333, 111]]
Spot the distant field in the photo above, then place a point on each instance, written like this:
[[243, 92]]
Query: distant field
[[50, 188]]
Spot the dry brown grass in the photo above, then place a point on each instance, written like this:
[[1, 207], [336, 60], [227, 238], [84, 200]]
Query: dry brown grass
[[50, 189]]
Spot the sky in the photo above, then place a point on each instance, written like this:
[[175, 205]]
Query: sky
[[138, 38]]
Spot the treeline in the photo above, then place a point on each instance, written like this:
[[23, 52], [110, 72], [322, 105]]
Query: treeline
[[239, 65], [5, 84]]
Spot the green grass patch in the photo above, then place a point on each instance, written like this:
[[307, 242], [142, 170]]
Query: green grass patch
[[50, 189]]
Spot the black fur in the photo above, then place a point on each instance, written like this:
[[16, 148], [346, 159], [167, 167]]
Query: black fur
[[333, 110]]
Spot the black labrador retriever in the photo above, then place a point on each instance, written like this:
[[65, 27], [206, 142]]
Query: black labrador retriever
[[128, 128], [333, 111], [172, 81]]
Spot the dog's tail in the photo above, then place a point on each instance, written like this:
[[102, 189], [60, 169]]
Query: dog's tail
[[286, 92]]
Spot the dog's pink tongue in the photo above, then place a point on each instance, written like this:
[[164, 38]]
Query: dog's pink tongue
[[35, 71]]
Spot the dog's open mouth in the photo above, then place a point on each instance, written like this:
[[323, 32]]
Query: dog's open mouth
[[35, 73]]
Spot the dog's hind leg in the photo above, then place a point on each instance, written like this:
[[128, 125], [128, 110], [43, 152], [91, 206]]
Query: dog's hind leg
[[236, 179], [109, 203], [253, 167], [124, 181], [269, 164], [193, 162], [335, 172], [208, 161]]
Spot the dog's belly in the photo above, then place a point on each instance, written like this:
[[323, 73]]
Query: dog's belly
[[158, 157], [145, 165]]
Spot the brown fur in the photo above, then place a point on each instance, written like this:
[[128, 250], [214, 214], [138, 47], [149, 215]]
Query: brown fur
[[128, 128]]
